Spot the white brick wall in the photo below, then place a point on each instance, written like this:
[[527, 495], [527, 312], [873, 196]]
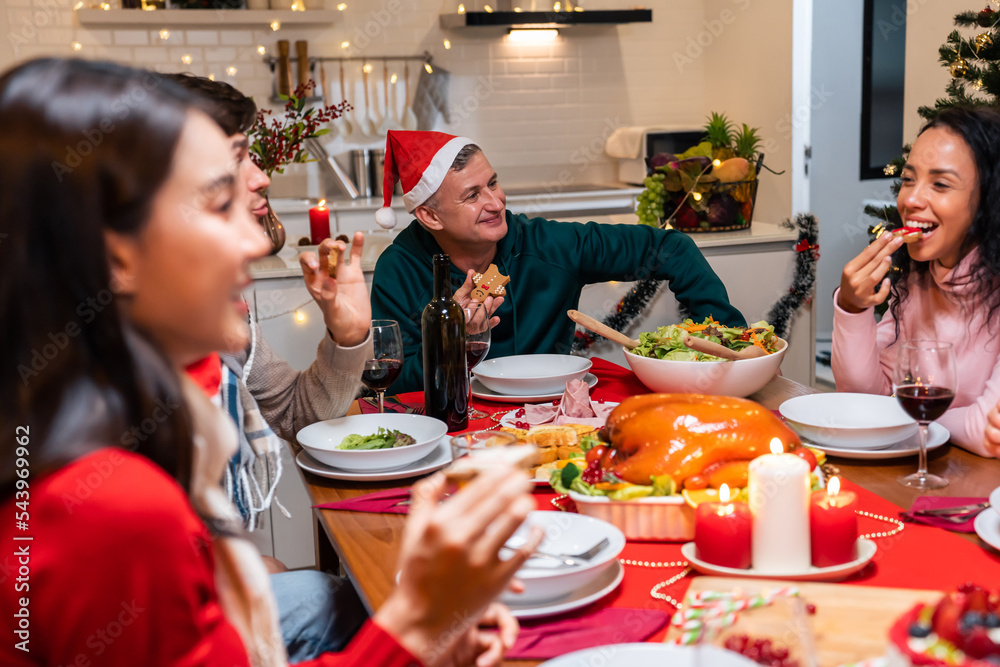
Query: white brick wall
[[542, 111]]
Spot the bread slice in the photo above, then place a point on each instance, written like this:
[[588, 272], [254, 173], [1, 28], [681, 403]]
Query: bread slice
[[551, 435]]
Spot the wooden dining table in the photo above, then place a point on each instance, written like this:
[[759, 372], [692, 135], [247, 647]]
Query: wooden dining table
[[367, 544]]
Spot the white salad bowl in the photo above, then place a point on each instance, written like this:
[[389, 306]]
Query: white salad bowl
[[718, 378], [322, 439], [565, 533], [855, 421], [531, 374]]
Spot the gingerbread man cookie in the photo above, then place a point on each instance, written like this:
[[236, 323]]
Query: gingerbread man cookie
[[490, 283]]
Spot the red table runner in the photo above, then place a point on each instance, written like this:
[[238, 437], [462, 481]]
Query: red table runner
[[919, 557]]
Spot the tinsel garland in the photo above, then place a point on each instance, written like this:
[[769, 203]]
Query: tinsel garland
[[804, 281], [780, 316]]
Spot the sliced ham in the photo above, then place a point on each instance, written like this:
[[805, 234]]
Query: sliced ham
[[576, 407]]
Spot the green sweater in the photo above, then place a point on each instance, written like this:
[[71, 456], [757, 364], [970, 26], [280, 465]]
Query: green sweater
[[548, 264]]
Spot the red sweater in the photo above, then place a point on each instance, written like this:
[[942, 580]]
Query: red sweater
[[119, 572]]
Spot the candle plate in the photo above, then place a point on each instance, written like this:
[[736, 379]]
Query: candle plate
[[865, 548]]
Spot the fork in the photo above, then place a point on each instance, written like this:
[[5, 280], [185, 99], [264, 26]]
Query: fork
[[571, 559]]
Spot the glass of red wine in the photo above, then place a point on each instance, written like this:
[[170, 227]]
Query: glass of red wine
[[382, 369], [925, 380], [477, 344]]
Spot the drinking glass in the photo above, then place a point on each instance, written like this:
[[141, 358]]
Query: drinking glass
[[477, 344], [925, 380], [382, 369]]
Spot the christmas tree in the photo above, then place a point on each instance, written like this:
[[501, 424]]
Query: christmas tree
[[974, 65]]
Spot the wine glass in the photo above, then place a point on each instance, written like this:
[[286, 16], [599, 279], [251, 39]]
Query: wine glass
[[477, 344], [925, 380], [382, 369]]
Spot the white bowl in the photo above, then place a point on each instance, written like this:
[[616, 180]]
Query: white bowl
[[667, 518], [530, 374], [718, 378], [856, 421], [322, 439], [565, 533]]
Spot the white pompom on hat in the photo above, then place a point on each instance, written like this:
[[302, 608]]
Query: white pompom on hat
[[419, 161]]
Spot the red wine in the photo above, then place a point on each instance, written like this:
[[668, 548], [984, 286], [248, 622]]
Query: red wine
[[924, 404], [446, 376], [475, 350], [380, 373]]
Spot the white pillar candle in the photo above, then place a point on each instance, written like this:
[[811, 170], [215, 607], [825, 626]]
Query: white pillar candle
[[779, 501]]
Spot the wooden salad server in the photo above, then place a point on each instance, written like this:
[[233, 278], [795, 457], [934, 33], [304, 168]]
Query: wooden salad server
[[589, 323], [717, 350]]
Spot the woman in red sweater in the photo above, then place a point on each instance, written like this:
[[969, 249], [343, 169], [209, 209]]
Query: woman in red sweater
[[124, 244]]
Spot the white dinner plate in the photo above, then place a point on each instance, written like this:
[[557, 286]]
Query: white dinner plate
[[866, 551], [650, 655], [510, 419], [479, 390], [596, 589], [937, 435], [995, 500], [439, 457], [987, 525]]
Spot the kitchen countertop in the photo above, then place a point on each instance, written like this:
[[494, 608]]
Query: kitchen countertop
[[286, 263]]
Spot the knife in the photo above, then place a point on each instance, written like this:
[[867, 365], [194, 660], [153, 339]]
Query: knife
[[945, 511]]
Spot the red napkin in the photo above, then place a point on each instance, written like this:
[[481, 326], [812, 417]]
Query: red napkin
[[611, 625], [380, 502], [937, 502]]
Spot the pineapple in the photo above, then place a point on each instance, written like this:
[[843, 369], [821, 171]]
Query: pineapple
[[719, 133], [746, 142]]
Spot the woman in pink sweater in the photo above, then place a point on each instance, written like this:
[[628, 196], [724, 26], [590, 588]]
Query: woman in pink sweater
[[948, 283]]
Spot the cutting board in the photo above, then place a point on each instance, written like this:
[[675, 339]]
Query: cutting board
[[851, 623]]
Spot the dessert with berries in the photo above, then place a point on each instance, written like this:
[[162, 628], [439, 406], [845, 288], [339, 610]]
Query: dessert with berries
[[963, 628]]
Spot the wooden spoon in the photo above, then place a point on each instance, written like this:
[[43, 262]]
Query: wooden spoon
[[717, 350], [589, 323]]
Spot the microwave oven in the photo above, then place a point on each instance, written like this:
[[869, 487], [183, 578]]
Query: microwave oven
[[633, 146]]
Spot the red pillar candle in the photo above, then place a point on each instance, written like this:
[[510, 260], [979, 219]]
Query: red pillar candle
[[319, 223], [833, 525], [722, 532]]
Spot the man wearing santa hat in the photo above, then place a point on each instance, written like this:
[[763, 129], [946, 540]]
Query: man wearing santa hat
[[460, 210]]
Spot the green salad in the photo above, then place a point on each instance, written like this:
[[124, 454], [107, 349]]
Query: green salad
[[668, 342], [383, 439]]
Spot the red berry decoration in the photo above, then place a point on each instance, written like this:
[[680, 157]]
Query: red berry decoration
[[986, 17], [810, 608]]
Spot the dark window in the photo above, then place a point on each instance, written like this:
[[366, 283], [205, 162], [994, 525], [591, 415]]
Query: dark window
[[883, 73]]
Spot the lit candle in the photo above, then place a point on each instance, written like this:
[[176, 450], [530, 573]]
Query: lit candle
[[722, 532], [319, 223], [833, 525], [779, 502]]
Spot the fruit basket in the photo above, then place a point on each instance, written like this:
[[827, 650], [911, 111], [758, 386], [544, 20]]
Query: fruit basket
[[728, 207], [710, 187]]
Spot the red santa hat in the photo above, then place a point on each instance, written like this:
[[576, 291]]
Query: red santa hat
[[419, 161]]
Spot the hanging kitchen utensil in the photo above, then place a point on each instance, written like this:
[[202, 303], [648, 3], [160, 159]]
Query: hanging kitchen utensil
[[302, 61], [284, 69], [409, 121], [343, 123], [368, 124], [387, 121]]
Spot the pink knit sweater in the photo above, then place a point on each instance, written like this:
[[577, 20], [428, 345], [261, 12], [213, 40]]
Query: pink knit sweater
[[863, 355]]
